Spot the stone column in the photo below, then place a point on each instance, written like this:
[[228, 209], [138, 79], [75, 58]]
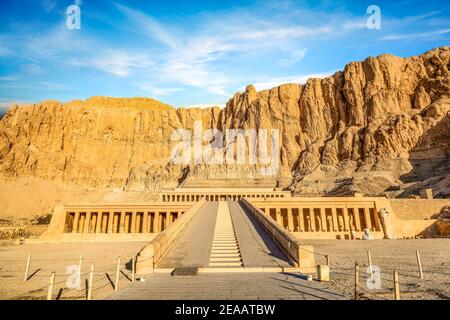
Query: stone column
[[87, 222], [323, 219], [157, 223], [330, 223], [145, 222], [94, 222], [110, 221], [163, 220], [356, 219], [312, 226], [301, 222], [377, 220], [76, 220], [279, 217], [98, 226], [133, 222], [115, 222], [335, 219], [104, 222], [290, 219], [367, 218], [122, 222], [346, 216], [168, 219]]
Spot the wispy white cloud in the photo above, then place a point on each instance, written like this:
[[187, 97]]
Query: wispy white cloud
[[32, 69], [294, 57], [300, 79], [48, 5], [205, 105], [149, 25], [353, 24], [39, 85], [5, 104], [216, 54], [118, 62], [11, 77], [5, 50], [284, 33], [193, 60], [417, 35], [154, 91]]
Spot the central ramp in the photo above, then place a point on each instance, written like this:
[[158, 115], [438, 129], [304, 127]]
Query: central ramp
[[225, 248], [224, 235]]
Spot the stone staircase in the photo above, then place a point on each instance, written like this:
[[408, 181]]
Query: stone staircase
[[225, 247]]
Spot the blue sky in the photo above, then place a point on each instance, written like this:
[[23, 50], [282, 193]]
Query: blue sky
[[197, 53]]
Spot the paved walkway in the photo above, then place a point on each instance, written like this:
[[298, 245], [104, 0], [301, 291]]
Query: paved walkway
[[194, 245], [222, 286], [225, 225], [256, 246], [223, 231]]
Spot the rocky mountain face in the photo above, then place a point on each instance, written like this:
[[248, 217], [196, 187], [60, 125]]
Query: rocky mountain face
[[101, 142], [380, 125]]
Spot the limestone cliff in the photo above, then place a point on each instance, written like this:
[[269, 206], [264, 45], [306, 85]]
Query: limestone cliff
[[381, 124], [100, 142], [384, 115]]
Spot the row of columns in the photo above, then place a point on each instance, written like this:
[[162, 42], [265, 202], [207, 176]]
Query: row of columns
[[122, 221], [325, 219], [176, 197], [180, 197]]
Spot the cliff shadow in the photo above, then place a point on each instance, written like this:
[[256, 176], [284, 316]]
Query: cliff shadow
[[430, 161]]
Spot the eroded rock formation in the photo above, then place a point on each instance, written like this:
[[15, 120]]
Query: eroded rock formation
[[381, 124]]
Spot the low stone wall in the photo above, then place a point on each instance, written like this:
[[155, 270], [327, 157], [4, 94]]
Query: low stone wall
[[415, 228], [335, 235], [417, 209], [300, 254], [151, 254]]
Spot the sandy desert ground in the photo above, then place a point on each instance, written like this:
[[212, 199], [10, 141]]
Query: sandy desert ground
[[388, 255], [58, 257]]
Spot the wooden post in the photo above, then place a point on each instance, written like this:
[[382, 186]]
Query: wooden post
[[419, 263], [396, 286], [50, 286], [133, 268], [356, 281], [91, 282], [79, 267], [327, 259], [27, 268], [369, 257], [116, 284]]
